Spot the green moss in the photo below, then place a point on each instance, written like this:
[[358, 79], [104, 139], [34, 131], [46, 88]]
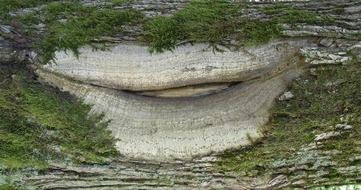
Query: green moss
[[7, 6], [54, 11], [259, 32], [28, 21], [120, 2], [215, 22], [8, 187], [70, 25], [200, 21], [287, 14], [11, 183], [317, 105], [291, 15], [82, 25], [39, 124], [162, 33], [208, 22]]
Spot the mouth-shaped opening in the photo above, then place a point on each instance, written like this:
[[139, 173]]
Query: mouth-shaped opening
[[198, 90], [180, 104]]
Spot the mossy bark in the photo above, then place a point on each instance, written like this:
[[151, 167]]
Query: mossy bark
[[289, 156]]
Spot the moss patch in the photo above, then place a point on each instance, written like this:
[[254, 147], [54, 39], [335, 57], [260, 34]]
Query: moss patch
[[8, 6], [120, 2], [211, 22], [328, 97], [287, 14], [72, 25], [65, 25], [215, 22], [39, 124], [69, 25], [8, 187]]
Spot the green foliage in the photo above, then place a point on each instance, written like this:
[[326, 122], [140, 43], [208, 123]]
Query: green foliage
[[200, 21], [28, 21], [55, 11], [319, 103], [282, 13], [163, 34], [259, 32], [8, 187], [207, 21], [7, 6], [81, 25], [11, 183], [68, 24], [120, 2], [294, 16], [71, 24], [39, 124], [214, 22]]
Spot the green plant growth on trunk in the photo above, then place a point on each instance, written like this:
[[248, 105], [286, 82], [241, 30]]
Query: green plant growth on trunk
[[8, 6], [72, 25], [39, 124], [328, 97], [68, 25], [211, 22], [215, 22]]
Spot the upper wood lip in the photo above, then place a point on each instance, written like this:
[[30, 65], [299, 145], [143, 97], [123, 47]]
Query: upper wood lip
[[131, 67]]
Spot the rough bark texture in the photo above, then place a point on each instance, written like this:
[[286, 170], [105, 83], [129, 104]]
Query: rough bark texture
[[133, 174], [13, 47], [162, 129], [140, 120]]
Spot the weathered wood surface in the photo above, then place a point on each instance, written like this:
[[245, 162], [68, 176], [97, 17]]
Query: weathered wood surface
[[165, 129], [333, 41], [132, 67], [133, 174]]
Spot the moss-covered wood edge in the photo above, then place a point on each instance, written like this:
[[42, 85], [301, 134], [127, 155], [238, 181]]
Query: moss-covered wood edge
[[53, 25]]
